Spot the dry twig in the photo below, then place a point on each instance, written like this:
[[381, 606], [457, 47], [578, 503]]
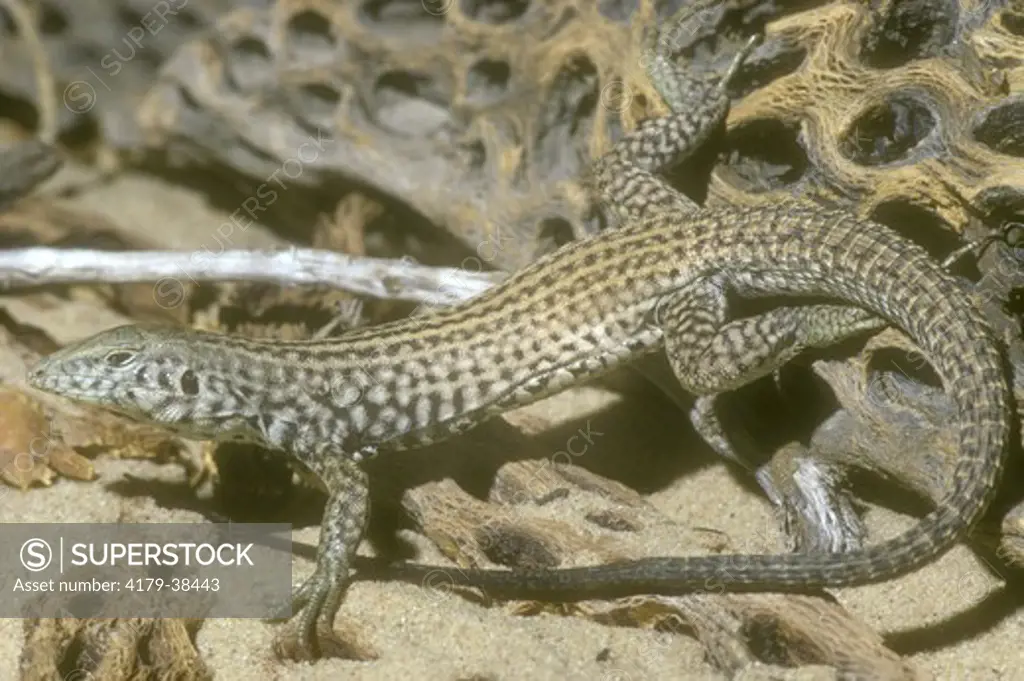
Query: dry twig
[[394, 279]]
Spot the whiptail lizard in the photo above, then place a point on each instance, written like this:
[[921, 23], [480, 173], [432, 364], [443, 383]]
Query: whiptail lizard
[[658, 282]]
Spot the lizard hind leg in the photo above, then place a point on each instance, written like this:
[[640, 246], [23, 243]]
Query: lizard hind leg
[[709, 354], [625, 179]]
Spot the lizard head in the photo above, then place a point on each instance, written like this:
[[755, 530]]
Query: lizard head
[[143, 372]]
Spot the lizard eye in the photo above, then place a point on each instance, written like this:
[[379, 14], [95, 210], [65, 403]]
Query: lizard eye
[[118, 358]]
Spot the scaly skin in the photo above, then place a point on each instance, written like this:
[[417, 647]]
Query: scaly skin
[[658, 282]]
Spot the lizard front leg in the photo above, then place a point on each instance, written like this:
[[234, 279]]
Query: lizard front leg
[[345, 517]]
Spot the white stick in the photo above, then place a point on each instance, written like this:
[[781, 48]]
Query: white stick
[[394, 279]]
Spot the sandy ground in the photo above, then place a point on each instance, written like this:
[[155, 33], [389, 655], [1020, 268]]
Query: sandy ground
[[952, 619]]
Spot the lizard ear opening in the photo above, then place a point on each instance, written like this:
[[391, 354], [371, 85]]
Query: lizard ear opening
[[119, 358], [189, 383]]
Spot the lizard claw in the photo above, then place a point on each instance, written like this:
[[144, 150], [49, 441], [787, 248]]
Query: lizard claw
[[311, 636], [292, 645]]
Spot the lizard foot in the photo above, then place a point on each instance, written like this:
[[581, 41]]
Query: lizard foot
[[311, 635]]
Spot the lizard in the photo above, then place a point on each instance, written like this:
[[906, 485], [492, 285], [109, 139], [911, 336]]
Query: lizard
[[657, 283]]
